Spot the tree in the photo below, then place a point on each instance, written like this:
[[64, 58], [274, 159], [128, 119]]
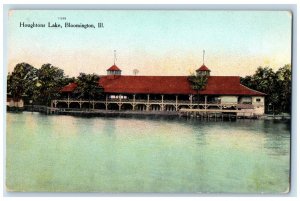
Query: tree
[[50, 80], [8, 83], [264, 80], [88, 86], [22, 81], [277, 86], [284, 78], [198, 82]]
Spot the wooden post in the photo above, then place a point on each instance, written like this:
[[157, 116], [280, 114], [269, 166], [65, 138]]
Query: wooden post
[[106, 104], [133, 104], [176, 103], [148, 101], [68, 102], [162, 103], [191, 99], [205, 103]]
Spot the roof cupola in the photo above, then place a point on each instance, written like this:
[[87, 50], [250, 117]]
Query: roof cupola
[[203, 70], [114, 69]]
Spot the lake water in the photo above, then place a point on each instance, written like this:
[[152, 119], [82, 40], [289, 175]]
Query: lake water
[[74, 154]]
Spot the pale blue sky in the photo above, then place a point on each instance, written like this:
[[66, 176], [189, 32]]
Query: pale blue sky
[[155, 42]]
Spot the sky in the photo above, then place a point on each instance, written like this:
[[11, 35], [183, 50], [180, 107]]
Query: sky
[[154, 42]]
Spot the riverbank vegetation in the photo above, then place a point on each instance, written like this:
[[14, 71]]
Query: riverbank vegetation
[[277, 85], [40, 85]]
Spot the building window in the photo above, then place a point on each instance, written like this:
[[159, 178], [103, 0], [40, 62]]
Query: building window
[[258, 100]]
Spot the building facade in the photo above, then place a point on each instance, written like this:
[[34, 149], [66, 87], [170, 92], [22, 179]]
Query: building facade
[[169, 93], [14, 103]]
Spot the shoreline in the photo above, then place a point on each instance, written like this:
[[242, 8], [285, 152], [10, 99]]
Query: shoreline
[[129, 113]]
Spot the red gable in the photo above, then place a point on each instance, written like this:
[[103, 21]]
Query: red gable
[[216, 85], [203, 68], [113, 68], [69, 88]]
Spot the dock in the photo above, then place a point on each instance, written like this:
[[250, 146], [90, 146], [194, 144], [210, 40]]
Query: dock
[[202, 114], [217, 113]]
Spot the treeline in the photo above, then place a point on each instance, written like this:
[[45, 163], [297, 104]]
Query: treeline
[[43, 84], [277, 85]]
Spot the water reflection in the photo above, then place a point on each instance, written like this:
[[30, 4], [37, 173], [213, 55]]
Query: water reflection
[[146, 154], [277, 137]]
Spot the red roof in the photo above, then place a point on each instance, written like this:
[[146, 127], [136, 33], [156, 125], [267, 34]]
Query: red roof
[[203, 68], [69, 88], [113, 68], [216, 85]]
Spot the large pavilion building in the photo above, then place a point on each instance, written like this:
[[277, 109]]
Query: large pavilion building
[[168, 93]]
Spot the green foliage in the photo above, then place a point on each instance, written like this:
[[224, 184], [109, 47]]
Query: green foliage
[[50, 80], [42, 85], [277, 86], [22, 81], [284, 75], [39, 85], [88, 86], [198, 82]]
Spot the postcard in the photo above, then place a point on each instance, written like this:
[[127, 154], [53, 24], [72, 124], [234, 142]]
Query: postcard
[[148, 101]]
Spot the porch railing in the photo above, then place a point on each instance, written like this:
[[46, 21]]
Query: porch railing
[[151, 101]]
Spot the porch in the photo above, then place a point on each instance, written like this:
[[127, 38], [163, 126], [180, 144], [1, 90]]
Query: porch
[[150, 102]]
